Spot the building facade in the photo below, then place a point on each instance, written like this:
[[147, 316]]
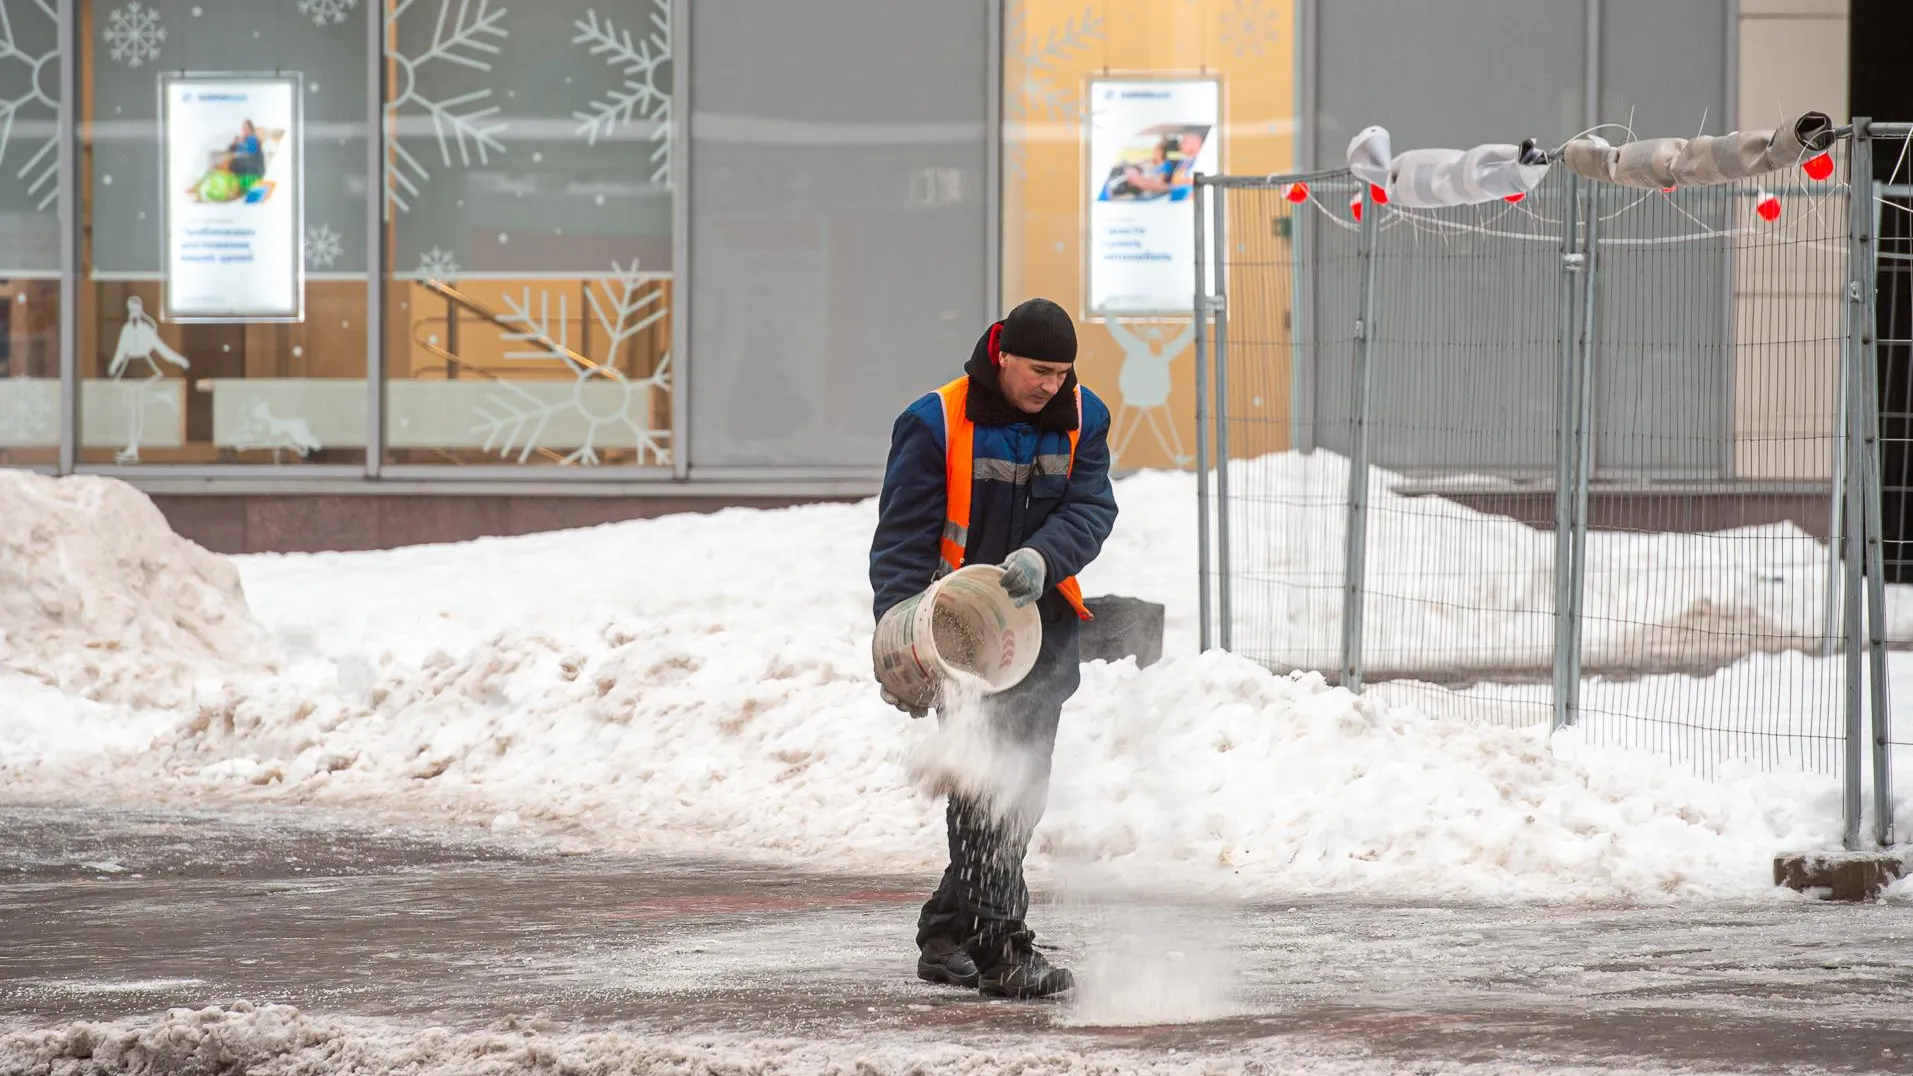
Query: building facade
[[577, 261]]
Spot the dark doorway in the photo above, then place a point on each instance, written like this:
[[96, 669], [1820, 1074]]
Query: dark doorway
[[1880, 56]]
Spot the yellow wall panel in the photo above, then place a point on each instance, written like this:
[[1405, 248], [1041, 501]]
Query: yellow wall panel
[[1052, 48]]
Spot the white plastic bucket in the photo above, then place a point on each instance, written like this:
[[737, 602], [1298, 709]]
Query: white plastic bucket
[[963, 627]]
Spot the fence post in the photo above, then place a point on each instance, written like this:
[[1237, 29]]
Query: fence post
[[1355, 538], [1566, 637], [1583, 445], [1220, 304], [1865, 245], [1853, 542], [1305, 290], [1199, 199]]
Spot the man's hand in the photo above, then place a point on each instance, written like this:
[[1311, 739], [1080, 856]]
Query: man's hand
[[893, 700], [1023, 576]]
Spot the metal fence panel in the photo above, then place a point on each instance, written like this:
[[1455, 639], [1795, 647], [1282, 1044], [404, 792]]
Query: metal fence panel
[[1465, 426], [1579, 456], [1720, 338], [1292, 278], [1892, 379]]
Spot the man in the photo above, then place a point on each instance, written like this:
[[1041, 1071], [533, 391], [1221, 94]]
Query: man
[[1030, 458]]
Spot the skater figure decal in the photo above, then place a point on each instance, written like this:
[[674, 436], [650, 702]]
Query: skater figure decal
[[1144, 381], [139, 339], [262, 429]]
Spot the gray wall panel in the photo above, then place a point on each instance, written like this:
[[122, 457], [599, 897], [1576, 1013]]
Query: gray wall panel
[[838, 221], [1454, 73]]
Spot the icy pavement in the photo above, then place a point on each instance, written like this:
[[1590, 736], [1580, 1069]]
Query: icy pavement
[[333, 943]]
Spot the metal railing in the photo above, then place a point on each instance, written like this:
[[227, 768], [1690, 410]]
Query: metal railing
[[1598, 458]]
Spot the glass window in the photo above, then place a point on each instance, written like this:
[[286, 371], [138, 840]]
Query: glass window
[[30, 87], [1664, 68], [528, 192], [841, 226], [1465, 56], [156, 390]]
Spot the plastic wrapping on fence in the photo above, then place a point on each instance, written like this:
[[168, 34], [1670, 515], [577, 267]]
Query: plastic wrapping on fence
[[1431, 178], [1657, 163]]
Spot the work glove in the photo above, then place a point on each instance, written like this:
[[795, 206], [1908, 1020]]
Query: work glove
[[1023, 576], [892, 699]]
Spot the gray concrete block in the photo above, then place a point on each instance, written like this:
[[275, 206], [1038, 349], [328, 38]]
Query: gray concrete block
[[1844, 875]]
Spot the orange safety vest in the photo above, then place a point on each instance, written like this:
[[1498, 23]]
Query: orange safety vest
[[959, 472]]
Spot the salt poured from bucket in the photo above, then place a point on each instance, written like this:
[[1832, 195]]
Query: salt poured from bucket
[[963, 755], [1152, 966]]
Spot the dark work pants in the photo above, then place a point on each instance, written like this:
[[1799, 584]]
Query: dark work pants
[[982, 899]]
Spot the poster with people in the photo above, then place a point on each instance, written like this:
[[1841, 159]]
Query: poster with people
[[1147, 140], [233, 208]]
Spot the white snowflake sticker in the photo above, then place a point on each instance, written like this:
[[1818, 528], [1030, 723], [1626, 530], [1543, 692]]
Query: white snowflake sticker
[[437, 263], [325, 11], [134, 34], [25, 415], [1247, 28], [625, 304], [322, 247], [645, 96], [462, 38], [41, 171], [1040, 92]]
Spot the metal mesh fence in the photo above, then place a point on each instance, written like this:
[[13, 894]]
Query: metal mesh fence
[[1893, 323], [1464, 421], [1709, 589], [1638, 410], [1293, 279]]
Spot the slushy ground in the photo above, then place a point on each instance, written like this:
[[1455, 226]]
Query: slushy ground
[[292, 940]]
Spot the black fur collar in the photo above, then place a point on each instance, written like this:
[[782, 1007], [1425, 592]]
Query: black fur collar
[[987, 405]]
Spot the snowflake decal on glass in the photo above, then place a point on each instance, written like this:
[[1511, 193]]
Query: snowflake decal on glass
[[1037, 92], [467, 37], [603, 397], [133, 34], [1247, 28], [25, 414], [322, 247], [43, 168], [325, 11], [436, 263], [646, 93]]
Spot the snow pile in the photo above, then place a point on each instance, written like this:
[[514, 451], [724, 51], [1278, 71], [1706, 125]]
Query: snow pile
[[100, 599], [687, 684], [1202, 772], [279, 1039]]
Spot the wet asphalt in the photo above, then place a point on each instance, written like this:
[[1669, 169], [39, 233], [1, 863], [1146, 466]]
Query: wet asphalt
[[113, 913]]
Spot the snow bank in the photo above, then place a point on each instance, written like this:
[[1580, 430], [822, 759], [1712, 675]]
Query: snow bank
[[100, 599], [687, 684]]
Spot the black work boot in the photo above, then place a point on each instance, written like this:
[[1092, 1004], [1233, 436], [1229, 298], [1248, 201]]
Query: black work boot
[[1024, 973], [944, 961]]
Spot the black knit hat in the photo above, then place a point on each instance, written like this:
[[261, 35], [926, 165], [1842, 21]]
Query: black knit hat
[[1039, 330]]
